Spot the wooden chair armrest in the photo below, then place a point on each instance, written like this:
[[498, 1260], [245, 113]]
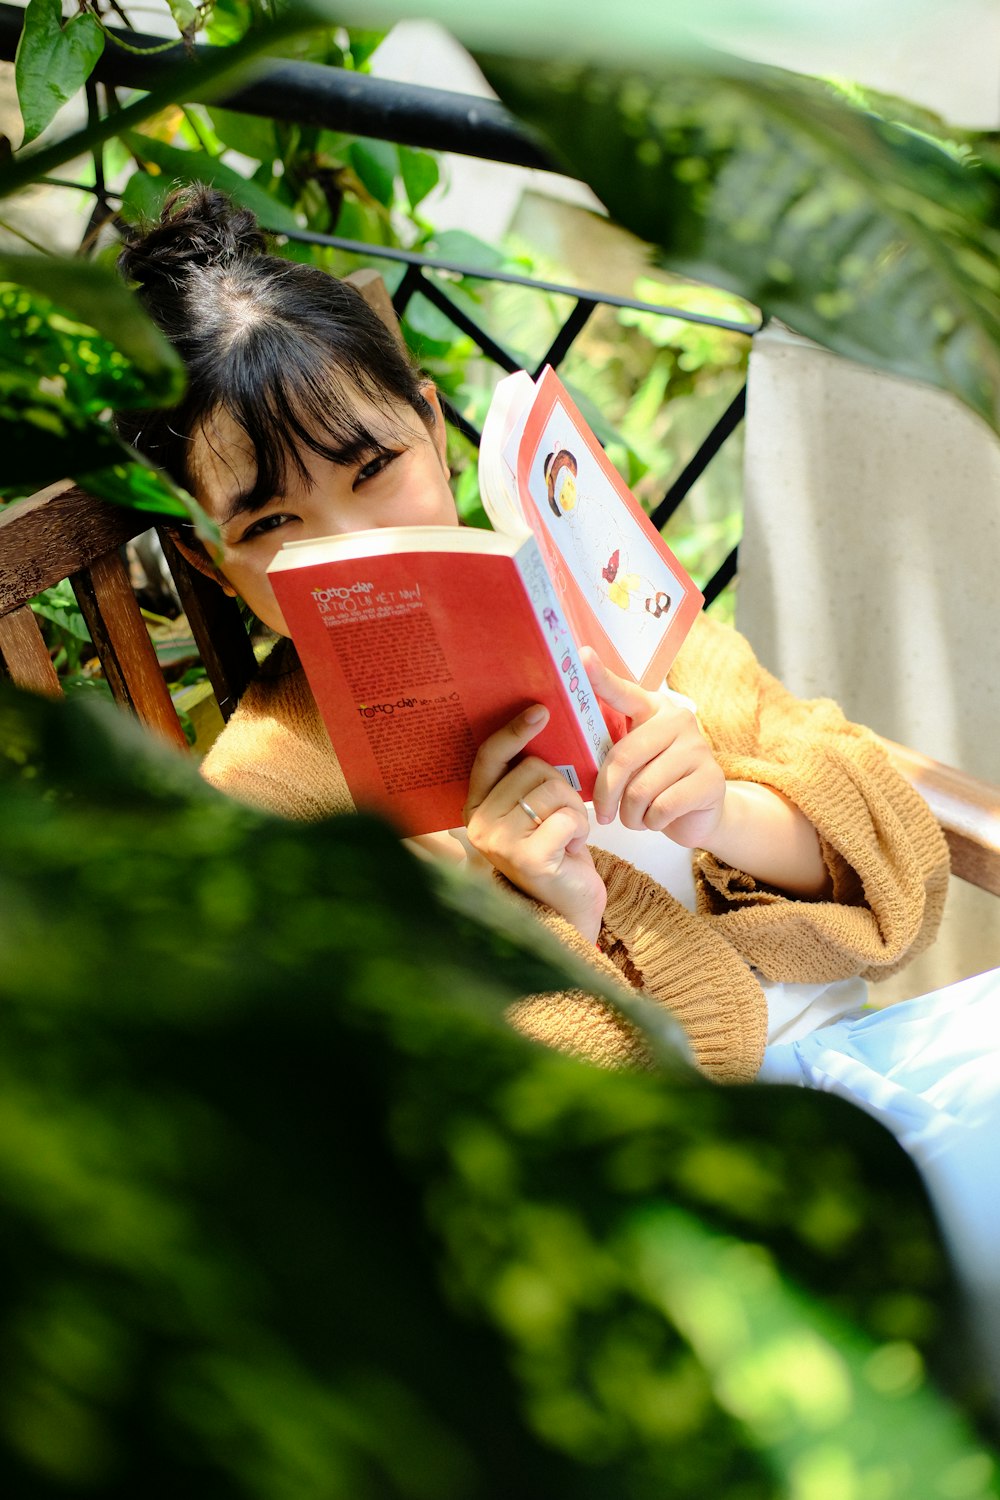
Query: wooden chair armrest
[[967, 809]]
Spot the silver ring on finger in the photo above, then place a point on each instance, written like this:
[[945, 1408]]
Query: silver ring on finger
[[530, 811]]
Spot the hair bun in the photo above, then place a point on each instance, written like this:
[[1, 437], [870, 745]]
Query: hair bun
[[199, 227]]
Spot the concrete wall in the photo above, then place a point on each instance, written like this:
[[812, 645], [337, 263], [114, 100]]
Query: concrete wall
[[869, 572]]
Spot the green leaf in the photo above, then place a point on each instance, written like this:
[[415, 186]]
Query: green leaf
[[43, 439], [420, 173], [866, 236], [465, 249], [180, 166], [431, 326], [97, 297], [52, 61], [185, 15], [637, 31], [249, 134], [192, 80], [376, 163], [58, 605], [144, 197], [133, 483], [527, 1276]]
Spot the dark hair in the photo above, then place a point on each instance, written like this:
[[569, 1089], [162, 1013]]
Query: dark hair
[[281, 347]]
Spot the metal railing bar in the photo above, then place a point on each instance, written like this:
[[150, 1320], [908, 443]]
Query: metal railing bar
[[708, 448], [511, 278], [722, 577], [306, 93], [409, 284], [508, 278], [560, 345], [466, 325]]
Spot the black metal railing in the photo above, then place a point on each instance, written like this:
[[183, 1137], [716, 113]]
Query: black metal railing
[[412, 115]]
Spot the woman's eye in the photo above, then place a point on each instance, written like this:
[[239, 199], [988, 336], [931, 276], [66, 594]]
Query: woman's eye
[[265, 524], [375, 465]]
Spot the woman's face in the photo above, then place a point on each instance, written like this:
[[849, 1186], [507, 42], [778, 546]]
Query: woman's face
[[401, 481]]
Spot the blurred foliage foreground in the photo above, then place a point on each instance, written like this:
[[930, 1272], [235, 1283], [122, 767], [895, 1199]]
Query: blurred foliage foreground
[[287, 1211]]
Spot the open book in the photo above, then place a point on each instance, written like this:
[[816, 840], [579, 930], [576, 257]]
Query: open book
[[420, 641], [542, 468]]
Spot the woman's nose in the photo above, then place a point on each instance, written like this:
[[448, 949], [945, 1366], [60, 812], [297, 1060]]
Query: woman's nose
[[331, 516]]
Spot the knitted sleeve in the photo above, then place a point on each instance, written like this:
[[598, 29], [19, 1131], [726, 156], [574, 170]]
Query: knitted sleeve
[[653, 944], [275, 753], [886, 857]]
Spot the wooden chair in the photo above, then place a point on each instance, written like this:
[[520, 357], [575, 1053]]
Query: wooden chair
[[62, 533]]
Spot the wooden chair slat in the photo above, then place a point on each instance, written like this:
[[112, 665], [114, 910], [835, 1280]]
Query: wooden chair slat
[[217, 627], [372, 287], [56, 533], [25, 655], [967, 809], [121, 640]]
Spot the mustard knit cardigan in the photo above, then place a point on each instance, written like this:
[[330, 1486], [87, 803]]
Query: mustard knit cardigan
[[886, 857]]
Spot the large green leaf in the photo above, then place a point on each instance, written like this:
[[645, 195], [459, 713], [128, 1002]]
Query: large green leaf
[[59, 378], [637, 31], [179, 165], [43, 439], [95, 296], [249, 134], [869, 237], [287, 1211], [52, 62]]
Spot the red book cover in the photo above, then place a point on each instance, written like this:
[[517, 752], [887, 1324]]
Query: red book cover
[[415, 655], [623, 590]]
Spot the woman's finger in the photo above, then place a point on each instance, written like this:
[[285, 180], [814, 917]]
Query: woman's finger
[[525, 799], [627, 697], [495, 754], [652, 742]]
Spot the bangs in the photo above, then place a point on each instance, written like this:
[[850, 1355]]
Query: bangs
[[291, 407]]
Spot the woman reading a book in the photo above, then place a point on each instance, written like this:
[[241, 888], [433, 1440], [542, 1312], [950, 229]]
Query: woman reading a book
[[750, 859]]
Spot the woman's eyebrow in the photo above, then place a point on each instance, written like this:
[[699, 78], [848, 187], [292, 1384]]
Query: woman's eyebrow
[[248, 502]]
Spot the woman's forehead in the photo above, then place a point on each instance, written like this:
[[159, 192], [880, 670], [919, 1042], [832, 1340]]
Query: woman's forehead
[[222, 459]]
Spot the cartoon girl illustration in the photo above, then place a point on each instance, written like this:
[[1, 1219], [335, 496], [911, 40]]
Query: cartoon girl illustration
[[560, 471]]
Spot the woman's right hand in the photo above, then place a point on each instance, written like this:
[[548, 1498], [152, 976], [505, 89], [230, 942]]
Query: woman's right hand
[[548, 858]]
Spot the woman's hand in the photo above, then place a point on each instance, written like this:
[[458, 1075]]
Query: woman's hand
[[662, 775], [532, 826]]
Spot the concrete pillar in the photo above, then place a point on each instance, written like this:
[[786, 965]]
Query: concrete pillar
[[869, 572]]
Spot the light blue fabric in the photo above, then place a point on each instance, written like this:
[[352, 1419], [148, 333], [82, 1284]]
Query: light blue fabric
[[929, 1069]]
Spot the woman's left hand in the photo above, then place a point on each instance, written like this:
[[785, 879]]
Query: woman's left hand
[[531, 825], [662, 775]]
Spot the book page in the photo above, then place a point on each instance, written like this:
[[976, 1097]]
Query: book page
[[625, 592], [501, 433]]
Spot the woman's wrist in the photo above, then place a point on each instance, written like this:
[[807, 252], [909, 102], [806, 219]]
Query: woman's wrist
[[588, 921], [764, 834]]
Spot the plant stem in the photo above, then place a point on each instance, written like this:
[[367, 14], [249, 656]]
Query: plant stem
[[192, 80]]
